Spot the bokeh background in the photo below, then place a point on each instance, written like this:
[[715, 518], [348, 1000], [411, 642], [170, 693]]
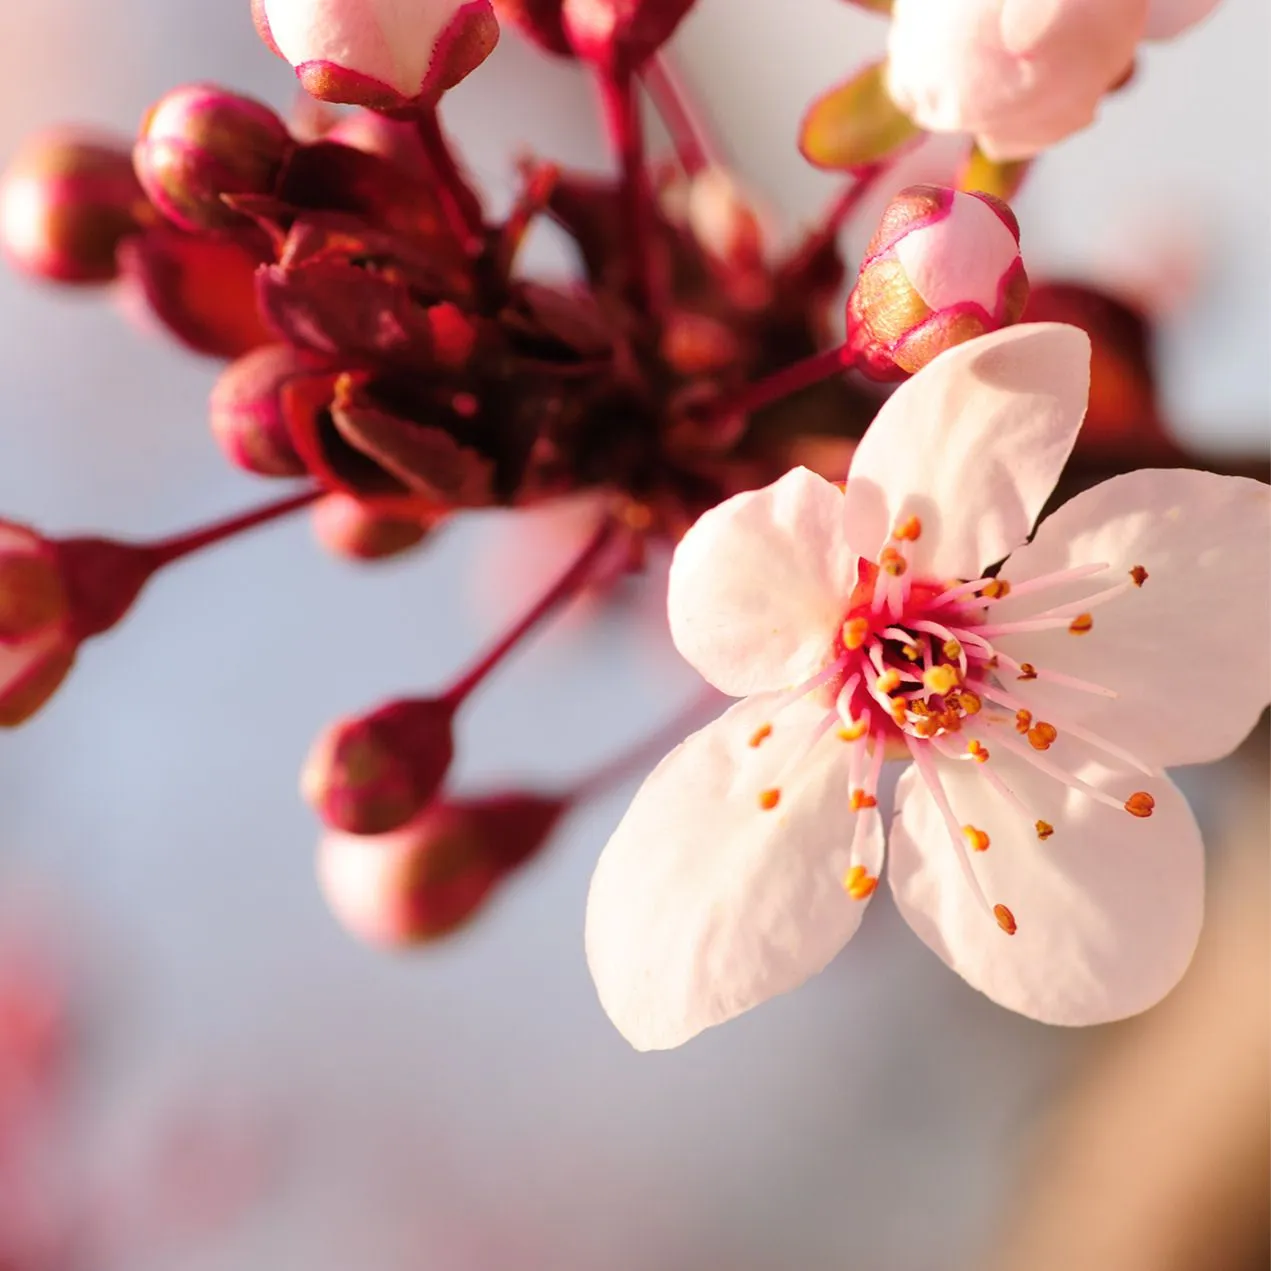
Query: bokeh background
[[469, 1108]]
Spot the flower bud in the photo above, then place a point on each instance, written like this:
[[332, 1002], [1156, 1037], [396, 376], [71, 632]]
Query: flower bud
[[66, 203], [246, 410], [372, 773], [378, 53], [199, 142], [723, 221], [347, 527], [433, 875], [943, 267]]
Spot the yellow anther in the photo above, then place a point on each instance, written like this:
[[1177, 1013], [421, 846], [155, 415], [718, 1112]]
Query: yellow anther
[[899, 710], [977, 840], [951, 722], [853, 731], [855, 633], [860, 799], [1081, 624], [928, 727], [889, 681], [892, 562], [951, 649], [941, 679], [1042, 735], [1005, 919], [1139, 574], [969, 702], [859, 883], [1044, 830], [1027, 671], [768, 799], [910, 651], [996, 589], [1023, 721], [1140, 803], [910, 531], [977, 751], [760, 735]]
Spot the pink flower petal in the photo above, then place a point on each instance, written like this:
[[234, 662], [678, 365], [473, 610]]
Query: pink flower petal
[[705, 904], [972, 445], [1168, 18], [1186, 651], [1107, 910], [760, 584]]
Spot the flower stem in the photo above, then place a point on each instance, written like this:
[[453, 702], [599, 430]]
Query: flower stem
[[790, 379], [166, 550], [561, 590], [838, 213], [692, 143], [459, 205]]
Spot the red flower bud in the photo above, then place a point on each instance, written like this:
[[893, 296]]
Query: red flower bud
[[247, 415], [347, 527], [200, 142], [66, 203], [630, 31], [433, 875], [372, 773]]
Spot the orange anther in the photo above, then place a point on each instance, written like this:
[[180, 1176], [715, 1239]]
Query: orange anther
[[760, 735], [927, 727], [1044, 830], [969, 702], [1005, 919], [1023, 721], [1042, 735], [855, 633], [859, 799], [941, 679], [853, 731], [1027, 671], [859, 883], [1140, 803], [899, 710], [951, 649], [995, 590], [951, 722], [768, 799], [1139, 574], [910, 531], [892, 562], [977, 840], [889, 681], [977, 751], [1081, 624]]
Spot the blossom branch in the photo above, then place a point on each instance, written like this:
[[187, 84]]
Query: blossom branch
[[693, 145], [785, 382], [458, 203], [165, 551]]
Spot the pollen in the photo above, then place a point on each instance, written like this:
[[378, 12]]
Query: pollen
[[969, 702], [951, 649], [760, 735], [853, 731], [768, 799], [941, 679], [860, 799], [1081, 624], [892, 562], [1140, 803], [908, 531], [855, 633], [1005, 919], [1042, 735], [976, 839], [910, 651], [977, 751], [1023, 721], [1139, 574], [859, 883], [1027, 671], [1044, 830], [889, 681], [899, 710], [995, 590]]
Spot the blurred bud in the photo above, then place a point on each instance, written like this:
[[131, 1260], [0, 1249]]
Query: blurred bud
[[396, 141], [629, 31], [943, 267], [372, 773], [856, 124], [247, 415], [433, 875], [723, 221], [348, 527], [199, 142], [538, 20], [378, 53], [66, 203]]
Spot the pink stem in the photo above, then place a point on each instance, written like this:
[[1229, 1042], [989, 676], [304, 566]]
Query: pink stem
[[561, 590], [166, 550], [840, 212], [459, 204], [790, 379], [690, 139]]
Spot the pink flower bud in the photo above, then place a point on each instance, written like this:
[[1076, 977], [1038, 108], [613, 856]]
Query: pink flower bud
[[538, 20], [943, 267], [347, 527], [372, 773], [199, 142], [432, 876], [629, 31], [247, 415], [723, 221], [384, 54], [66, 202]]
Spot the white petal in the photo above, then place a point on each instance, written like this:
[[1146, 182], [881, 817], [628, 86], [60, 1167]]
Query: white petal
[[972, 445], [703, 904], [1108, 909], [759, 586], [1187, 651]]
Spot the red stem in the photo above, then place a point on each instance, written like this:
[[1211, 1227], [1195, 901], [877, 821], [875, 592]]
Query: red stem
[[839, 212], [459, 205], [621, 110], [782, 383], [561, 590], [690, 139], [166, 550]]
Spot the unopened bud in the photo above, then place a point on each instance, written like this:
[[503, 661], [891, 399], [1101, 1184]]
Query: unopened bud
[[347, 527], [943, 267], [373, 773], [200, 142], [247, 415], [628, 31], [432, 876], [378, 53], [66, 202], [723, 221]]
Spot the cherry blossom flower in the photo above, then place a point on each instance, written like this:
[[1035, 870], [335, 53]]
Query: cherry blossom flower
[[1018, 74], [1036, 847]]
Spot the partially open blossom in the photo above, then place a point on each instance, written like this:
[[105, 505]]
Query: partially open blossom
[[199, 142], [943, 266], [430, 877], [1019, 76], [246, 412], [348, 527], [1037, 846], [378, 53], [67, 200]]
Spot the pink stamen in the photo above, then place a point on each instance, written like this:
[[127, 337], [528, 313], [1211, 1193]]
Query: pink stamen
[[1071, 608], [823, 676], [1064, 681], [1001, 736], [1045, 581], [1022, 628], [961, 589]]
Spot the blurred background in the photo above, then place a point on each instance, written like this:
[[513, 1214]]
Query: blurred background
[[304, 1101]]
